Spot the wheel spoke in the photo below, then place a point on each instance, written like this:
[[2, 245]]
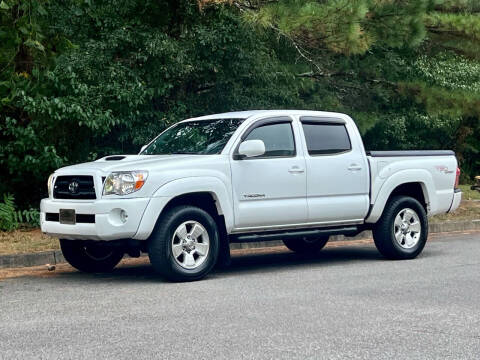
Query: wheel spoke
[[177, 249], [182, 232], [409, 240], [415, 227], [197, 231], [398, 221], [201, 248], [188, 259], [408, 215], [399, 236]]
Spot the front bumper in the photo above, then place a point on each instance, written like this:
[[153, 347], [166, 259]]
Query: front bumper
[[457, 199], [107, 224]]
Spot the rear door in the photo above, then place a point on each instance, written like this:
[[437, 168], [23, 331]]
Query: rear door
[[270, 190], [337, 172]]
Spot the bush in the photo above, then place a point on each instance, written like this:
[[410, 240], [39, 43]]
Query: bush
[[28, 218], [8, 220], [11, 218]]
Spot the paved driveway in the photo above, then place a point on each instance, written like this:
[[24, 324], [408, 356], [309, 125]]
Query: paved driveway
[[346, 302]]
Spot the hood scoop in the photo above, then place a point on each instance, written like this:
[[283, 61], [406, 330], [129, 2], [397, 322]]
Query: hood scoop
[[115, 158]]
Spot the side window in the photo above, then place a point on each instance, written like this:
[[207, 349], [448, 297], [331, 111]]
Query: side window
[[324, 138], [278, 139]]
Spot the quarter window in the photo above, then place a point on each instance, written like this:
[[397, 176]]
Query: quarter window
[[278, 139], [326, 138]]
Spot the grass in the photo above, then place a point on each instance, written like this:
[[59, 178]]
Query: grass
[[18, 241], [468, 210], [468, 193], [27, 241]]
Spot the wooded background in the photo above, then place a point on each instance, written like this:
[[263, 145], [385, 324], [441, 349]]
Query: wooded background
[[80, 79]]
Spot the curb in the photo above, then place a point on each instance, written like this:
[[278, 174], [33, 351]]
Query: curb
[[31, 259], [56, 257]]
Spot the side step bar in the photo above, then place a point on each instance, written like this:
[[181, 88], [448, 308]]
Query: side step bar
[[288, 234]]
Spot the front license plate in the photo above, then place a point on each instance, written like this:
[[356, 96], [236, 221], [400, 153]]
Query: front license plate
[[67, 216]]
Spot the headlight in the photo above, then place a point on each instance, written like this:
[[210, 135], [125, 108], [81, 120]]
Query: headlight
[[50, 184], [124, 182]]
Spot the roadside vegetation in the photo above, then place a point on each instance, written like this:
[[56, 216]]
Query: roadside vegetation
[[80, 79], [11, 218], [469, 194], [468, 210], [28, 239]]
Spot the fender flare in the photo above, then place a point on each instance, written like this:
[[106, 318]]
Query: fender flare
[[194, 184], [423, 177], [182, 186]]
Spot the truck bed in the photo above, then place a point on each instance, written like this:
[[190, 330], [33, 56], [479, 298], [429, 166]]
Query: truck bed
[[435, 169]]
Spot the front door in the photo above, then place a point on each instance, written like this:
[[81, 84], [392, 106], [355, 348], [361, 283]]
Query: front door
[[270, 190]]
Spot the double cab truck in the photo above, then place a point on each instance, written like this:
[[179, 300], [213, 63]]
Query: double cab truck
[[297, 176]]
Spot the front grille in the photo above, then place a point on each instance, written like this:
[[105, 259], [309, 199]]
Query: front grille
[[65, 187], [52, 217], [85, 218], [79, 218]]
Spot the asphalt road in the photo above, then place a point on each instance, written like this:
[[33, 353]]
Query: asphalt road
[[346, 302]]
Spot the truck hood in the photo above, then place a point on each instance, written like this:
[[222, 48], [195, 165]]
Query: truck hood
[[132, 162]]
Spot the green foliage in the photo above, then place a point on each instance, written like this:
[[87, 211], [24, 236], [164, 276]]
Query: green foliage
[[344, 26], [29, 217], [8, 220], [449, 71], [11, 218], [456, 6], [463, 24]]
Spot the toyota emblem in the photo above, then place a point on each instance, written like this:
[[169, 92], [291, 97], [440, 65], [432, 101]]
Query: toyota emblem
[[73, 187]]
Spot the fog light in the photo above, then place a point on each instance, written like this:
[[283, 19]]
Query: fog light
[[117, 217], [123, 216]]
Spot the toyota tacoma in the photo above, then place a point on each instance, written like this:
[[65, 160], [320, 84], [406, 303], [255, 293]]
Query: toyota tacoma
[[296, 176]]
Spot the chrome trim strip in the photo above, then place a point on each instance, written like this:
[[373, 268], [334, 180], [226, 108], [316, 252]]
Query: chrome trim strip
[[296, 226]]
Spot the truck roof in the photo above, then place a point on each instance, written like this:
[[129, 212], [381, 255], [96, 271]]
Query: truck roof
[[249, 113]]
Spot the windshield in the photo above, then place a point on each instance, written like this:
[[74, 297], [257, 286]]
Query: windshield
[[201, 137]]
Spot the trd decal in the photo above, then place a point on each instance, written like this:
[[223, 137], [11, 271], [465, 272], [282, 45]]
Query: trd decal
[[444, 169]]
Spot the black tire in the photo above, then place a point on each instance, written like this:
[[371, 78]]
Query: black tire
[[384, 229], [90, 258], [160, 244], [306, 246]]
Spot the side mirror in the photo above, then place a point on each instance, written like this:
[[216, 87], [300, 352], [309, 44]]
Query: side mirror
[[251, 148], [143, 148]]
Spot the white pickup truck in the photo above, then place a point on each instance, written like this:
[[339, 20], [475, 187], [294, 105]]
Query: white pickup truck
[[297, 176]]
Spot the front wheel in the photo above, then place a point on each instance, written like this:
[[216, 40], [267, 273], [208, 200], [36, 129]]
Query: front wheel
[[90, 258], [401, 232], [305, 245], [184, 245]]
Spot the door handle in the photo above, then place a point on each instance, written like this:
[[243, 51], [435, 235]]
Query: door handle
[[296, 170], [354, 167]]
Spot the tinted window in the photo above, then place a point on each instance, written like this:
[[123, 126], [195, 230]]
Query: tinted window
[[194, 137], [326, 138], [278, 139]]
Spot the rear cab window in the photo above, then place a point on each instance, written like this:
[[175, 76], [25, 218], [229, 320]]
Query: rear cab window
[[325, 138]]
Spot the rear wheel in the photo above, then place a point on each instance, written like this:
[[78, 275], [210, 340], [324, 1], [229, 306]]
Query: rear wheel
[[185, 244], [90, 257], [306, 246], [402, 231]]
